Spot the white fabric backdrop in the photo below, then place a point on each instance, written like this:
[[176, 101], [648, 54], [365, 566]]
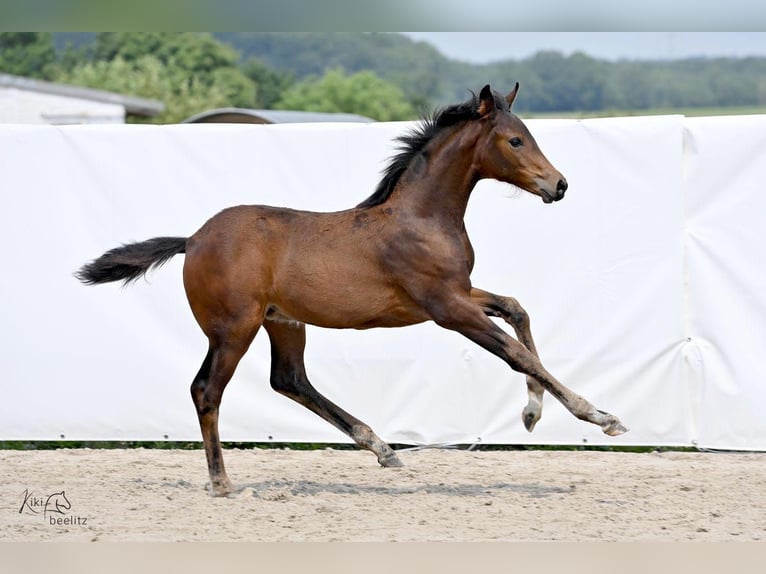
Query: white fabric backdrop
[[726, 319], [645, 285]]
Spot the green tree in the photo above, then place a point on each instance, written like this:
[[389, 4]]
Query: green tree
[[550, 81], [270, 83], [362, 93], [203, 59], [69, 57], [417, 68], [30, 54], [147, 77], [189, 72], [195, 52]]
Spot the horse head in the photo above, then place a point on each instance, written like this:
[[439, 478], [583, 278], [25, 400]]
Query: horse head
[[509, 153]]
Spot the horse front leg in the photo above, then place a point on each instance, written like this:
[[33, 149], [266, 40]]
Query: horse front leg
[[460, 313], [509, 309]]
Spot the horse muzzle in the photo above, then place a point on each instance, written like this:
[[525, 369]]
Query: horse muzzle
[[557, 195]]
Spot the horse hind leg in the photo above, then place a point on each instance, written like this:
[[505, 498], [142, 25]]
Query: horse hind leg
[[207, 390], [514, 314], [288, 377]]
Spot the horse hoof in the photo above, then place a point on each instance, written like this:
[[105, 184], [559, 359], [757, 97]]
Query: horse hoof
[[219, 489], [613, 427], [390, 461], [530, 415]]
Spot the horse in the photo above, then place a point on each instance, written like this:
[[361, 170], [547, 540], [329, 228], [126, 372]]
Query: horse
[[400, 257]]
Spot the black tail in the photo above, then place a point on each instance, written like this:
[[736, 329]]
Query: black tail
[[130, 261]]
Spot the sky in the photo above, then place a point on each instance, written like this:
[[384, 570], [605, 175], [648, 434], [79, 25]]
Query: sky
[[484, 47]]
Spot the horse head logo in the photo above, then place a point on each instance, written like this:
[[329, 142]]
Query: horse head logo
[[58, 503]]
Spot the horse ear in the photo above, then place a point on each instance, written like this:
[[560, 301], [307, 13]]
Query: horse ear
[[512, 96], [487, 106]]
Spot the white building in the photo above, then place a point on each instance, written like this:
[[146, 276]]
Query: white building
[[28, 101]]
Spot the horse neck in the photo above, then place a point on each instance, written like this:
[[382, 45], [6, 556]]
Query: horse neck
[[439, 183]]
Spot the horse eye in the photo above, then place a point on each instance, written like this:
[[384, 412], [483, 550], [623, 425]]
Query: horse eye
[[516, 142]]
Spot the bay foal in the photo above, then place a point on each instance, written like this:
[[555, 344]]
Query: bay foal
[[399, 258]]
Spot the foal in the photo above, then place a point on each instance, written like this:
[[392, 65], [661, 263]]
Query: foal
[[399, 258]]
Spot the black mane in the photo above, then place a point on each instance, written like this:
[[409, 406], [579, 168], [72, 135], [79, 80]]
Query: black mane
[[413, 142]]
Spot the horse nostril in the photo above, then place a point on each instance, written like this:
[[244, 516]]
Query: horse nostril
[[562, 185]]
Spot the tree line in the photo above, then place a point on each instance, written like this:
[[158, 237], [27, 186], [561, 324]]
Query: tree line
[[383, 76]]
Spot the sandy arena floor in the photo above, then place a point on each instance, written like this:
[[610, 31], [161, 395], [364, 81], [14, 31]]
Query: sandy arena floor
[[339, 495]]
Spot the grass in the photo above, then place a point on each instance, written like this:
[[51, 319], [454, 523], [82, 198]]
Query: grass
[[195, 445], [689, 112]]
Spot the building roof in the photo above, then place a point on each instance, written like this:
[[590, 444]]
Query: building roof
[[133, 105], [248, 116]]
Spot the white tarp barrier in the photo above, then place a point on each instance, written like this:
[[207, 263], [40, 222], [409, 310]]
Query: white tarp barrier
[[726, 286], [616, 278]]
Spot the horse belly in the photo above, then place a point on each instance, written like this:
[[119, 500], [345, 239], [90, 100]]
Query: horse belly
[[345, 301]]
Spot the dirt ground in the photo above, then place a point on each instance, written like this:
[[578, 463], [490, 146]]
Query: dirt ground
[[341, 495]]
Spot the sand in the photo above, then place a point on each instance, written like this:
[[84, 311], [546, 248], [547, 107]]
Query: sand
[[343, 495]]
